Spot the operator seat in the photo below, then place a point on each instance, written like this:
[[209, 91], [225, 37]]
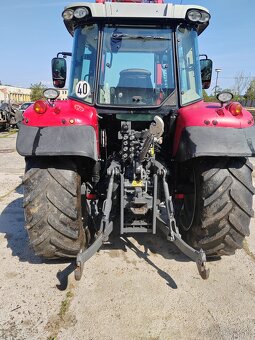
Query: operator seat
[[134, 87]]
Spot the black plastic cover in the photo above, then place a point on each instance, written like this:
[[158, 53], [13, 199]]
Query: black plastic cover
[[57, 141], [198, 141]]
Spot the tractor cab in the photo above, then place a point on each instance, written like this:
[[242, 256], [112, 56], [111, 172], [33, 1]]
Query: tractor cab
[[135, 55]]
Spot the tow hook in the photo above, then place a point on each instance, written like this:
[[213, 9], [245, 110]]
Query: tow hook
[[197, 256], [201, 265], [171, 230]]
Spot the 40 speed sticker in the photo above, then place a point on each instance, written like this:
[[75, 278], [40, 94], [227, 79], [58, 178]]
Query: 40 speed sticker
[[82, 89]]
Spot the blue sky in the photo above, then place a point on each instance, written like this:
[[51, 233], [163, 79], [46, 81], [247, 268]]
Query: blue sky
[[32, 32]]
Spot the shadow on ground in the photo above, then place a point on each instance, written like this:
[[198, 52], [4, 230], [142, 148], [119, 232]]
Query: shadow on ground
[[12, 225]]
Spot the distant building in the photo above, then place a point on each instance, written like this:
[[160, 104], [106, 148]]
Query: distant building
[[14, 94], [63, 94]]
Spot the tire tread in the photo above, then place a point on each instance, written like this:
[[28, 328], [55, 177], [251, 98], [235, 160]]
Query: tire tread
[[223, 206], [52, 208]]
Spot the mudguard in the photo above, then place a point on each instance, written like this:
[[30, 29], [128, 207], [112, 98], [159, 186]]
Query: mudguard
[[197, 141], [57, 141], [209, 129]]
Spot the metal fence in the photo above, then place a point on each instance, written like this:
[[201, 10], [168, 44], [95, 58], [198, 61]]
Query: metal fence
[[248, 103]]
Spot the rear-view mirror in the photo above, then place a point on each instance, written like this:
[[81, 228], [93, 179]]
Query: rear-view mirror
[[206, 66], [58, 67]]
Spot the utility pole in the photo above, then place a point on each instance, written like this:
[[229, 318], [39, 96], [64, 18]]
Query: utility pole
[[217, 70]]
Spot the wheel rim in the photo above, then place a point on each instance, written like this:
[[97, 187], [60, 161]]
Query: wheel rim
[[187, 212]]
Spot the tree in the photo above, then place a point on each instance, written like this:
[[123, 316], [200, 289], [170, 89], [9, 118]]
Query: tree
[[236, 97], [205, 95], [37, 91], [241, 83], [250, 93], [208, 98]]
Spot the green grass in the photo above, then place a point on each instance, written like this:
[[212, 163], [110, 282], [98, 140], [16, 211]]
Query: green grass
[[12, 132], [65, 305]]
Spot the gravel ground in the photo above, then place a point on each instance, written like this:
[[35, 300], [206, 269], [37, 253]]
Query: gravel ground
[[134, 288]]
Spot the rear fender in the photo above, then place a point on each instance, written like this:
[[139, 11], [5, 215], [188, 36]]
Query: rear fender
[[68, 128], [198, 141], [206, 129]]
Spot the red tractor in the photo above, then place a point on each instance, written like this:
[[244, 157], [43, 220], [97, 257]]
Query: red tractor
[[135, 146]]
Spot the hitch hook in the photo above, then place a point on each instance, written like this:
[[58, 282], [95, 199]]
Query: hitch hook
[[204, 272]]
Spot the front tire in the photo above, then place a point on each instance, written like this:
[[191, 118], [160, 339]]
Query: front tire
[[222, 203], [52, 203]]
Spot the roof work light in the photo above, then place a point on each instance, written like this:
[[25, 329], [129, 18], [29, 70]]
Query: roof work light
[[196, 15], [78, 13]]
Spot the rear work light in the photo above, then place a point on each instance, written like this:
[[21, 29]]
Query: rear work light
[[40, 106], [68, 14], [51, 94], [78, 13], [195, 15], [235, 108]]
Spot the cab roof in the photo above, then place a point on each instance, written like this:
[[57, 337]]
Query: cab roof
[[133, 13]]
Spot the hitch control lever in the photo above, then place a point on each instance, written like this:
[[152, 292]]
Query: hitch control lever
[[156, 130]]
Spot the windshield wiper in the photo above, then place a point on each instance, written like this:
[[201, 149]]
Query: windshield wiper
[[141, 37]]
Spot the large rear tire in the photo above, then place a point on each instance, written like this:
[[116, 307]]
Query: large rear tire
[[52, 203], [216, 215]]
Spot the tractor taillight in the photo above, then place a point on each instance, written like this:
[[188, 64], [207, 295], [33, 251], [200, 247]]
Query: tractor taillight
[[57, 110], [91, 196], [235, 109], [179, 196], [40, 106]]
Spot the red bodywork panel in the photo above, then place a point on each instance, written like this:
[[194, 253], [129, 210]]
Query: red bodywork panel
[[63, 113], [209, 115]]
